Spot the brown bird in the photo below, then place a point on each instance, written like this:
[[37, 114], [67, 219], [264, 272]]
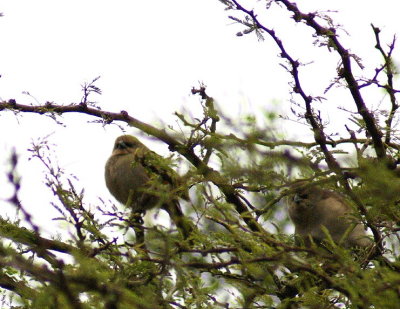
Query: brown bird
[[311, 207], [141, 179]]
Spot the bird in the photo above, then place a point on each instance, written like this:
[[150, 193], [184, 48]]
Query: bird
[[311, 208], [141, 179]]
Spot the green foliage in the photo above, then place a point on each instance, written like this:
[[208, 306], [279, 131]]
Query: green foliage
[[239, 253], [229, 261]]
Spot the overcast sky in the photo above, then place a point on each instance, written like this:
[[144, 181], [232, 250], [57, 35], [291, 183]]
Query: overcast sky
[[149, 55]]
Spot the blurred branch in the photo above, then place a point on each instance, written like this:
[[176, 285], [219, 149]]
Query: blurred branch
[[62, 281], [31, 239], [19, 287]]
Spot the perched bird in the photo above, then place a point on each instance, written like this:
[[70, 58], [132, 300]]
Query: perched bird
[[311, 207], [141, 179]]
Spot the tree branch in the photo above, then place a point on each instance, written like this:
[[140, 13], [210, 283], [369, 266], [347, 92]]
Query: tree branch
[[108, 117]]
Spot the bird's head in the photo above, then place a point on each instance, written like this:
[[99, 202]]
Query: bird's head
[[303, 194], [126, 144]]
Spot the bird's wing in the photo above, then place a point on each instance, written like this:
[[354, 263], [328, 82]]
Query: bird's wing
[[159, 168]]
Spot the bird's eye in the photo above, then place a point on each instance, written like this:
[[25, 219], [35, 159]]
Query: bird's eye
[[124, 145], [303, 196]]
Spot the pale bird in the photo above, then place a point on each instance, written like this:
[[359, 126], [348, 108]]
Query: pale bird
[[311, 207], [141, 179]]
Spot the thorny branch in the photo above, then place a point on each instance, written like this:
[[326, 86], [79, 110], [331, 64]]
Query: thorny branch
[[346, 73], [390, 71]]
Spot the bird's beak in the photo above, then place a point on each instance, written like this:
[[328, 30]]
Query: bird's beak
[[297, 198], [121, 145]]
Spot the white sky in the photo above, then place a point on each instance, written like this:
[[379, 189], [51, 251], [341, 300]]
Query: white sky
[[149, 55]]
